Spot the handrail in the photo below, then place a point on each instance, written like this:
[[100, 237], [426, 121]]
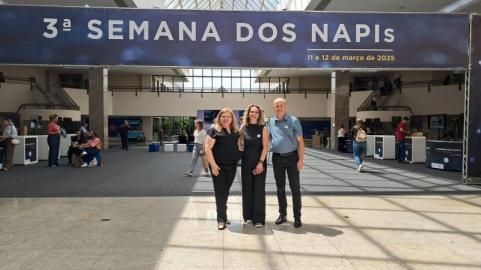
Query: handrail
[[388, 108], [69, 99], [366, 103], [199, 90], [48, 106], [13, 78], [413, 84], [33, 84]]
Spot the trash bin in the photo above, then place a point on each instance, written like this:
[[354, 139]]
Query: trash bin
[[190, 147], [154, 147]]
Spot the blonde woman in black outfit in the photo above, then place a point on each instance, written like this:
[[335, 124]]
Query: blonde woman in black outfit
[[222, 151], [254, 143]]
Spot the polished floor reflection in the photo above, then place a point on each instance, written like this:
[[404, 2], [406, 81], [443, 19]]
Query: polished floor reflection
[[139, 211], [339, 232]]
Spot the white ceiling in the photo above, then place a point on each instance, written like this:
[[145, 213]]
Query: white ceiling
[[326, 5], [390, 5], [73, 3]]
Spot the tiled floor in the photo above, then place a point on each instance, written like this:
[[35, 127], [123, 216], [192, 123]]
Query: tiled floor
[[339, 232], [104, 218]]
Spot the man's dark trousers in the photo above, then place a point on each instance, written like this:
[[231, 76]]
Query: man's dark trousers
[[282, 164]]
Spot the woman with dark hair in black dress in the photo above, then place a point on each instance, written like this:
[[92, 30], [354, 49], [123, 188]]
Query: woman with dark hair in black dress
[[254, 141]]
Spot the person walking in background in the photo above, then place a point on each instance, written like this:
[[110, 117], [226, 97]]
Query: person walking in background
[[341, 139], [359, 141], [401, 132], [222, 150], [53, 140], [9, 134], [124, 135], [254, 144], [199, 141], [287, 145]]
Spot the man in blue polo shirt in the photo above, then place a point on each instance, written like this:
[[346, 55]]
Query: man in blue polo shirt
[[287, 146]]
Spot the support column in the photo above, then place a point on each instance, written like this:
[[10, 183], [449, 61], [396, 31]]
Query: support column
[[100, 103], [339, 104], [472, 110], [147, 127]]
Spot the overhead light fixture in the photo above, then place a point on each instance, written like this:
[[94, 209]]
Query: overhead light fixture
[[457, 6]]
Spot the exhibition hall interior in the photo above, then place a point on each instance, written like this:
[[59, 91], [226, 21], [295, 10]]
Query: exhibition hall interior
[[129, 139]]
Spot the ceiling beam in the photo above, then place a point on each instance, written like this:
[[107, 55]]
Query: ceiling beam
[[458, 5], [318, 4]]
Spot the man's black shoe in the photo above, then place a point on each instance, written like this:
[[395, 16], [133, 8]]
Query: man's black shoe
[[297, 223], [281, 219]]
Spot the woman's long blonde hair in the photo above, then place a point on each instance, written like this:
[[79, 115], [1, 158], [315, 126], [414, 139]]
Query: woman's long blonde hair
[[233, 124], [246, 119]]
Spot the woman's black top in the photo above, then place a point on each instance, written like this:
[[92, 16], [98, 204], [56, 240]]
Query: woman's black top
[[253, 146], [226, 149]]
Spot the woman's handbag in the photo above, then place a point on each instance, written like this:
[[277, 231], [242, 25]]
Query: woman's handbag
[[63, 132], [361, 136]]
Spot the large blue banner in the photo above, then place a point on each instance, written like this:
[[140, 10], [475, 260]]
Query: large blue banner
[[100, 36]]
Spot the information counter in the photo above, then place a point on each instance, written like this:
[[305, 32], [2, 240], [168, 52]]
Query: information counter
[[444, 155], [26, 152], [370, 146], [384, 147], [416, 149]]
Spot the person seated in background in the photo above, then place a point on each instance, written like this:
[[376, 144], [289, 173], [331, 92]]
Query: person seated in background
[[91, 150], [75, 142]]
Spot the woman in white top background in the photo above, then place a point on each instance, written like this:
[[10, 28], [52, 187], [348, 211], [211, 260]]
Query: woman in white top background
[[341, 139], [9, 133], [199, 141]]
